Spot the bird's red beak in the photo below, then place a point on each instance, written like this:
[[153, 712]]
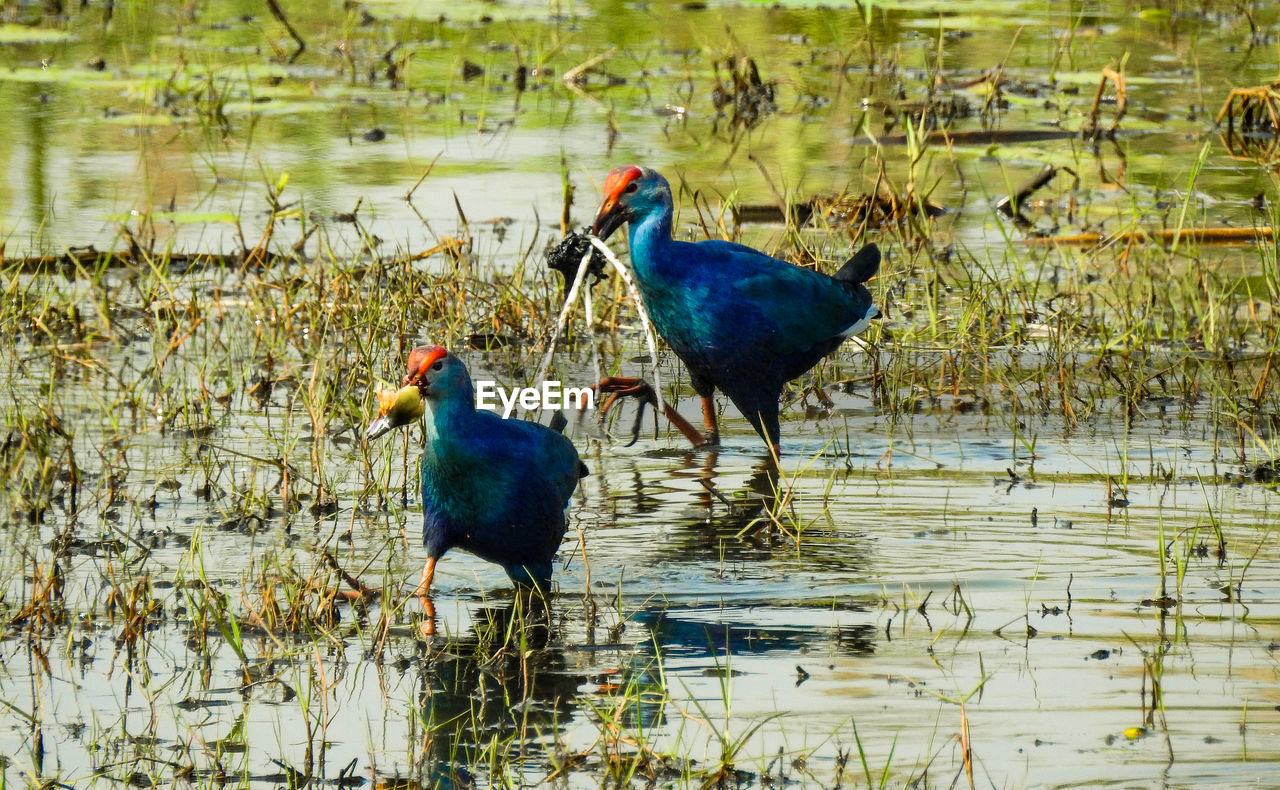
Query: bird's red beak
[[612, 212], [609, 218]]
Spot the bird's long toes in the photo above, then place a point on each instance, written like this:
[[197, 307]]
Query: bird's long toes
[[608, 404], [621, 387], [635, 427], [362, 594]]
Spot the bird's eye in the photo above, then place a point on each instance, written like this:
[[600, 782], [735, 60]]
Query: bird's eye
[[438, 366], [632, 187]]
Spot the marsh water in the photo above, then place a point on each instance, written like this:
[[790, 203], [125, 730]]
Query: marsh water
[[1025, 534]]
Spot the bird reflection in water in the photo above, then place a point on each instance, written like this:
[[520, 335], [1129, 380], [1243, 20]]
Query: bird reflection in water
[[747, 527], [497, 701], [505, 685]]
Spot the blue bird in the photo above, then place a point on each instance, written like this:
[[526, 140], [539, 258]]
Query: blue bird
[[498, 488], [743, 322]]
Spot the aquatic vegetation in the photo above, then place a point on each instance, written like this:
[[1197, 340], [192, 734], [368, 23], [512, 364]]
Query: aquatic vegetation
[[1023, 534]]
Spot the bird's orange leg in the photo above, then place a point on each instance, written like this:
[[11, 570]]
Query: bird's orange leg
[[685, 428], [619, 387], [709, 418], [428, 627]]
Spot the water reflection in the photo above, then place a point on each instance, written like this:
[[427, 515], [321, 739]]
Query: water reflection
[[502, 692], [728, 512], [39, 138], [737, 523]]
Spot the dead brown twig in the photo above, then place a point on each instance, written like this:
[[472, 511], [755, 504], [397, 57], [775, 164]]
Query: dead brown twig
[[359, 590], [575, 77], [1253, 123], [1091, 128], [1254, 109]]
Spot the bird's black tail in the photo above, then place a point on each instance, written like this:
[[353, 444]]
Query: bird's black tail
[[861, 267]]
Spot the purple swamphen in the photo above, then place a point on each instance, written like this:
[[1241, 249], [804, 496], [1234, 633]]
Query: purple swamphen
[[499, 488], [743, 322]]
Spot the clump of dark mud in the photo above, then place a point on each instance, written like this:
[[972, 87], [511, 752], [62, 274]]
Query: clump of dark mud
[[567, 256]]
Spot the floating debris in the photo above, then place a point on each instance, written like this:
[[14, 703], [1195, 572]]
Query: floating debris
[[875, 209], [1164, 236], [1011, 205], [878, 208], [935, 112], [747, 98], [1267, 472], [488, 341], [979, 137]]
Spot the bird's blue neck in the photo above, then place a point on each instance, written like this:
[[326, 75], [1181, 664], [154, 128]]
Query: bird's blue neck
[[649, 240], [447, 415]]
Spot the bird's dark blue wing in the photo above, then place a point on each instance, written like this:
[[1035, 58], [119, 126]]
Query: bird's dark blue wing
[[783, 308]]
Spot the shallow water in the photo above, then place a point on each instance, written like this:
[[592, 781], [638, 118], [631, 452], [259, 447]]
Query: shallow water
[[914, 584], [1064, 582], [174, 121]]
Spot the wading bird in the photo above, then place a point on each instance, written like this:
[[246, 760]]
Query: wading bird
[[498, 488], [743, 322]]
